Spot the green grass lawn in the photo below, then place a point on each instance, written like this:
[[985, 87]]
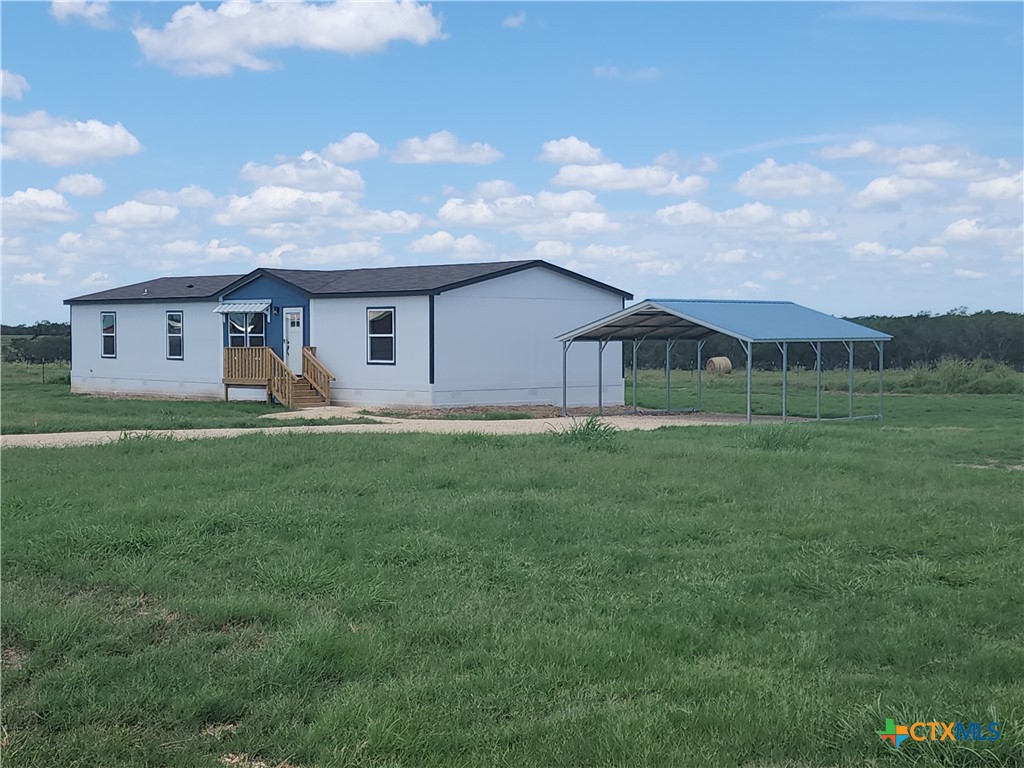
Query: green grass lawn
[[28, 405], [716, 596]]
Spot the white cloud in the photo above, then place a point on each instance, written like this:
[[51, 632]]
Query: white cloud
[[308, 172], [274, 204], [226, 250], [1001, 188], [872, 150], [695, 214], [214, 41], [660, 267], [969, 274], [860, 148], [12, 86], [445, 242], [135, 214], [192, 196], [33, 206], [728, 256], [773, 274], [970, 230], [939, 169], [924, 253], [514, 22], [752, 286], [553, 249], [94, 12], [769, 179], [34, 278], [614, 73], [488, 190], [353, 148], [382, 221], [56, 141], [618, 254], [96, 280], [344, 253], [888, 190], [570, 151], [182, 248], [872, 251], [549, 215], [653, 179], [444, 147], [81, 185], [707, 165]]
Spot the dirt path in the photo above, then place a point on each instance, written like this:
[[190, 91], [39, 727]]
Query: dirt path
[[388, 425]]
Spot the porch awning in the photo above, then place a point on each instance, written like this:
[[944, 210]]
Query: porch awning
[[242, 306]]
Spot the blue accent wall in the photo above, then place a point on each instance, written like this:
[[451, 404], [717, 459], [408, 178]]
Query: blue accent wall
[[281, 295]]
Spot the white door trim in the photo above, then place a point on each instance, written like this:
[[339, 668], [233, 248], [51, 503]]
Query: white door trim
[[292, 356]]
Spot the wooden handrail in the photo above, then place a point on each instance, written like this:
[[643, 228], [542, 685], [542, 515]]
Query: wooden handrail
[[245, 365], [316, 373], [280, 379]]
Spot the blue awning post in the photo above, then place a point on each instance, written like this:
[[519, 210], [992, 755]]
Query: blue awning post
[[700, 349]]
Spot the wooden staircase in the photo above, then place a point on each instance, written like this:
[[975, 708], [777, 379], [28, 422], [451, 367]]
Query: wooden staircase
[[261, 366], [305, 395]]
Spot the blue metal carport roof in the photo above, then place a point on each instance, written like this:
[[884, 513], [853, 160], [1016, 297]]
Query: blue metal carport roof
[[695, 319]]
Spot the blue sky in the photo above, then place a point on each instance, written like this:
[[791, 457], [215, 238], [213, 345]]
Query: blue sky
[[859, 158]]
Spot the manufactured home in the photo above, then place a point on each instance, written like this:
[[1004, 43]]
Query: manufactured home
[[427, 336]]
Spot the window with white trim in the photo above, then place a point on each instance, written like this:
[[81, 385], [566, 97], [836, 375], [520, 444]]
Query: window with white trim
[[175, 335], [108, 334], [247, 329], [380, 335]]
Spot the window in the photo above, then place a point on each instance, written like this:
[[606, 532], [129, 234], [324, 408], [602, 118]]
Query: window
[[247, 329], [175, 336], [108, 334], [380, 335]]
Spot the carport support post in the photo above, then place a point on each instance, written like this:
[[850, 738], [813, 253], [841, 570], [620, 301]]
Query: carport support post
[[880, 346], [700, 349], [635, 345], [565, 389], [849, 388], [784, 346], [817, 379], [748, 348], [600, 376], [668, 377]]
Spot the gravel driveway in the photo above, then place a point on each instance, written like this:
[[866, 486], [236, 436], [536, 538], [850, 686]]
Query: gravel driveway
[[387, 425]]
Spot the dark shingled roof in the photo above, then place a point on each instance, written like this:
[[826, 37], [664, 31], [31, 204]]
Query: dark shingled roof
[[164, 288], [378, 281]]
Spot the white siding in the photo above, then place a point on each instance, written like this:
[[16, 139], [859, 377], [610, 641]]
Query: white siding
[[338, 331], [141, 366], [494, 342]]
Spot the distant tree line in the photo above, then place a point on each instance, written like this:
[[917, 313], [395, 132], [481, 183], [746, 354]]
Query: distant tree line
[[921, 339], [41, 342]]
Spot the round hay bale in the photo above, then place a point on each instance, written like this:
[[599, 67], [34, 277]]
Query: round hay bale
[[719, 365]]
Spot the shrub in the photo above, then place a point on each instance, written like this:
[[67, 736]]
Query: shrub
[[776, 437], [591, 433]]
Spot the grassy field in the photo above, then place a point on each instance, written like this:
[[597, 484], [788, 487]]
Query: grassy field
[[29, 405], [763, 596]]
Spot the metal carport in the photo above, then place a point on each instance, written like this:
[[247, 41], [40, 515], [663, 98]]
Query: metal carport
[[750, 322]]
